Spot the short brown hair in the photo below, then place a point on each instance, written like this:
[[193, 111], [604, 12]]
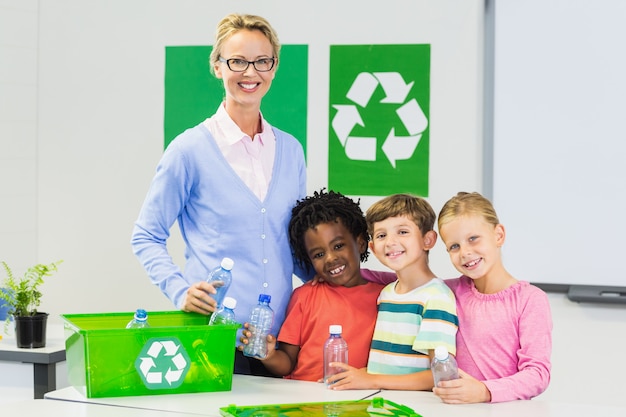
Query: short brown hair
[[416, 208]]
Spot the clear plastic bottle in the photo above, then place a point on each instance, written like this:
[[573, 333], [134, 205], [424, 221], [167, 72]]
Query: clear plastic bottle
[[203, 368], [139, 321], [221, 277], [444, 366], [225, 314], [260, 325], [335, 350]]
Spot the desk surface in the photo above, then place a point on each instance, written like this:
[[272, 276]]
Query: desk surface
[[53, 352], [249, 390], [429, 405], [40, 408], [246, 390]]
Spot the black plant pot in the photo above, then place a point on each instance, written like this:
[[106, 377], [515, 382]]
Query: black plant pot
[[30, 331]]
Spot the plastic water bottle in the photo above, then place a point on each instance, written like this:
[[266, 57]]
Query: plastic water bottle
[[210, 371], [139, 321], [221, 277], [225, 314], [260, 325], [444, 366], [335, 350]]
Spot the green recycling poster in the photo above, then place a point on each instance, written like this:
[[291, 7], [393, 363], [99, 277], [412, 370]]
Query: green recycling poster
[[379, 112]]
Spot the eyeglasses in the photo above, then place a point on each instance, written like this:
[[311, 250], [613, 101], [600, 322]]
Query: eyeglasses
[[240, 65]]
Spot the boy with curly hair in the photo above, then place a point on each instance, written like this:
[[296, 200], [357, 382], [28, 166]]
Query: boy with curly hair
[[328, 234]]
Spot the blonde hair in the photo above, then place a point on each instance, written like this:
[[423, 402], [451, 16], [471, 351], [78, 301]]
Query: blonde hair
[[416, 208], [467, 203], [234, 23]]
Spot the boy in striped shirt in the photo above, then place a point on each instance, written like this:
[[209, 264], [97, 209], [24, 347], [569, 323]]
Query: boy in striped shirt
[[416, 312]]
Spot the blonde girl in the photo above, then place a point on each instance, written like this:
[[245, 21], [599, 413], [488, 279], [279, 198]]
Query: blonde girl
[[504, 339]]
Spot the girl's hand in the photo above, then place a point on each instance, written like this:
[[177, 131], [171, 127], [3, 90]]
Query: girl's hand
[[464, 390]]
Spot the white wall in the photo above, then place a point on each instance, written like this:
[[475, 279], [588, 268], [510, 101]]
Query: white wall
[[18, 161], [81, 130], [18, 131]]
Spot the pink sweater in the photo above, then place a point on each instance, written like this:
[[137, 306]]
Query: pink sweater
[[504, 339]]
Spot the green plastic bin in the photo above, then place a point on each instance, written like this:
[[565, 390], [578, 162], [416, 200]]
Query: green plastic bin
[[178, 353]]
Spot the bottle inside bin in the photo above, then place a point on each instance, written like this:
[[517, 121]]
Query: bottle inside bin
[[221, 277], [260, 325], [208, 370], [139, 321], [225, 314]]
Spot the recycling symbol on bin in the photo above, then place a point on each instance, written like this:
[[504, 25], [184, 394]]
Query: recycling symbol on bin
[[163, 363], [409, 111]]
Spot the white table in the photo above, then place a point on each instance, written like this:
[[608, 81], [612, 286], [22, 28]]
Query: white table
[[428, 404], [246, 390], [44, 360], [249, 390], [47, 408]]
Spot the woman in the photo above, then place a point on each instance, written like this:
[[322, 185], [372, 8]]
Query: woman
[[231, 183]]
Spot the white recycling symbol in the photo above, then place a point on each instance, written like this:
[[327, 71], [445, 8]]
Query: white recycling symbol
[[163, 364], [410, 113]]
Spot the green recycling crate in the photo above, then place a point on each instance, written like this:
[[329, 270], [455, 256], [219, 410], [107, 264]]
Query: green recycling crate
[[178, 353]]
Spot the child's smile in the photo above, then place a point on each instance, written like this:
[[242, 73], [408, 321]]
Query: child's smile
[[337, 271], [394, 254], [472, 264]]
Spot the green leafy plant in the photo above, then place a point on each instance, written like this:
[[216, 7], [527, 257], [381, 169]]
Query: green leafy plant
[[22, 294]]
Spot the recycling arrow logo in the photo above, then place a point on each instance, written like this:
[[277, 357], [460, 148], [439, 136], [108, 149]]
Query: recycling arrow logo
[[409, 112], [163, 363]]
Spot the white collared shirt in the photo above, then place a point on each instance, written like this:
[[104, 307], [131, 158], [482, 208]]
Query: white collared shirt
[[252, 160]]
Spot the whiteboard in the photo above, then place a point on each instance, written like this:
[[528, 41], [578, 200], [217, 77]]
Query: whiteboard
[[559, 139]]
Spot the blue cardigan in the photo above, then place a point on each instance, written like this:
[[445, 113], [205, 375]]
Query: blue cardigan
[[219, 216]]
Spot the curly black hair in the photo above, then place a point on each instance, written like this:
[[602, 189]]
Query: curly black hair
[[324, 207]]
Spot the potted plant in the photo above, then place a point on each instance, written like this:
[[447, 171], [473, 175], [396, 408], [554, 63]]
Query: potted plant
[[22, 296]]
